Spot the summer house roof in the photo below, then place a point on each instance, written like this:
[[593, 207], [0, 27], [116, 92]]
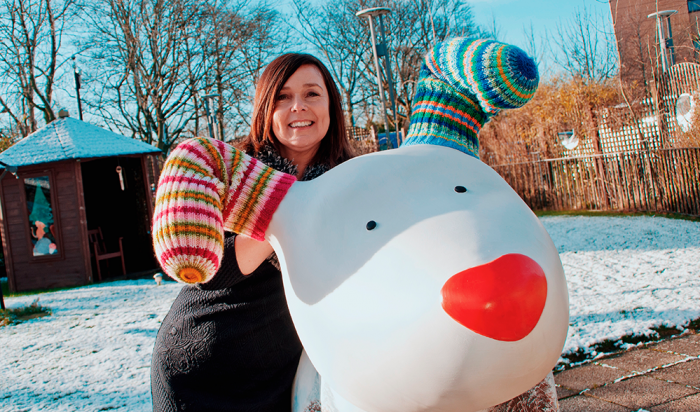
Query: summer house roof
[[69, 138]]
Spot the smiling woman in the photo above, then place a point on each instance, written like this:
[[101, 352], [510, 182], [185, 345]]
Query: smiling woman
[[298, 87], [301, 116], [228, 343]]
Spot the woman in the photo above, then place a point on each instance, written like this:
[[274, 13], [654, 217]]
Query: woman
[[229, 344]]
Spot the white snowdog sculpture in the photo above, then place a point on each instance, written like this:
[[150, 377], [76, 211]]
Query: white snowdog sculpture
[[453, 302], [417, 279]]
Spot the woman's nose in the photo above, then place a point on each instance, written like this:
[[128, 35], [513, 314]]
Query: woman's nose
[[298, 104], [502, 299]]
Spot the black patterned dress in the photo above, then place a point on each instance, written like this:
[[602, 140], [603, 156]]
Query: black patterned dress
[[230, 344]]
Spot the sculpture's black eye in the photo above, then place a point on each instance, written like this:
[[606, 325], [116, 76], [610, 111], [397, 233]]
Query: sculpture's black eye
[[460, 189], [371, 225]]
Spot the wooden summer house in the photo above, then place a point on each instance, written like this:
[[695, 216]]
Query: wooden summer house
[[75, 194]]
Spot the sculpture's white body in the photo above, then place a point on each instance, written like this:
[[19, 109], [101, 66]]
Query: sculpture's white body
[[367, 303]]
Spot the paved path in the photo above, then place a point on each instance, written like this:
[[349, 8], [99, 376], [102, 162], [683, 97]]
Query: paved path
[[659, 377]]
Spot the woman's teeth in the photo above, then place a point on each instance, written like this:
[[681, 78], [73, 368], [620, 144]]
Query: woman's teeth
[[301, 124]]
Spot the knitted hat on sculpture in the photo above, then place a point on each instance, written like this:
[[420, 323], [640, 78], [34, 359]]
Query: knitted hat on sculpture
[[463, 82]]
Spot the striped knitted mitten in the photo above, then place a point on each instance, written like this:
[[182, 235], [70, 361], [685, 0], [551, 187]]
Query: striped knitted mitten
[[463, 82], [206, 187]]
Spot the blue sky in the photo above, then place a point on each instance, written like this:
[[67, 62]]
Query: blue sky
[[512, 15]]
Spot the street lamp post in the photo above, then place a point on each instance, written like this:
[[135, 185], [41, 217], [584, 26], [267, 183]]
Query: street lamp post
[[380, 49], [76, 77], [212, 121], [665, 43]]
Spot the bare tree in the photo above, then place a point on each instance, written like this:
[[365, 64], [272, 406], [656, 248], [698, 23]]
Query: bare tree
[[266, 37], [412, 28], [587, 46], [334, 30], [143, 61], [213, 66], [32, 32], [158, 59], [537, 47], [415, 26]]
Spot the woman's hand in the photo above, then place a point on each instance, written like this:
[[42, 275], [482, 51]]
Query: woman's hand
[[250, 253]]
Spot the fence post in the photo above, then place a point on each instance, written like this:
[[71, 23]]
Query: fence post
[[375, 139], [599, 165]]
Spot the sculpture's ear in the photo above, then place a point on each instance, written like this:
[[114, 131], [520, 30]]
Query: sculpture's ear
[[206, 187], [463, 82]]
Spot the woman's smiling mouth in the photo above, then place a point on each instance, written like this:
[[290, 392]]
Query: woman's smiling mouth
[[299, 124]]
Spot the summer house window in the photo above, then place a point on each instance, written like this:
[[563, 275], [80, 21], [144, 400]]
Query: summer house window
[[40, 211]]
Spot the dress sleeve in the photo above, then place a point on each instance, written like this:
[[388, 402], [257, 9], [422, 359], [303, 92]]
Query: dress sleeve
[[206, 187]]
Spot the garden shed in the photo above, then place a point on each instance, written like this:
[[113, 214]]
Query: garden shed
[[75, 193]]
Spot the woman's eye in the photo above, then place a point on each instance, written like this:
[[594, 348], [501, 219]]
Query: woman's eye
[[282, 97], [313, 94]]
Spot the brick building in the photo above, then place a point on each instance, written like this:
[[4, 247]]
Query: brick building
[[637, 36]]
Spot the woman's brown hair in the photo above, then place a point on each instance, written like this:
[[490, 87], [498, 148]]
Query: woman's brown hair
[[334, 149]]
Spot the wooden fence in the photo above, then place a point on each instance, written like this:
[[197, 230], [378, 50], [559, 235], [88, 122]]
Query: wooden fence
[[662, 180]]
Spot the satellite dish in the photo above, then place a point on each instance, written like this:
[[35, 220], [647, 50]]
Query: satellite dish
[[685, 108], [568, 139]]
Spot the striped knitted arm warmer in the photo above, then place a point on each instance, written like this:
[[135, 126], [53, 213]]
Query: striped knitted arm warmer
[[206, 187]]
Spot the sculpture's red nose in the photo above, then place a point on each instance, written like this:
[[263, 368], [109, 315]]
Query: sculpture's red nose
[[502, 299]]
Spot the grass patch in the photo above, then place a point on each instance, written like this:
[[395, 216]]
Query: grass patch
[[7, 294], [615, 214], [615, 346], [18, 315], [147, 274]]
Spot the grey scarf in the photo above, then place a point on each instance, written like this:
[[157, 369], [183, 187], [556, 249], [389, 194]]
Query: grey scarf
[[269, 155]]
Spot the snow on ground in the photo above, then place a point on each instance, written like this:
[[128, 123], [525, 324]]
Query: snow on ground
[[93, 353], [625, 275]]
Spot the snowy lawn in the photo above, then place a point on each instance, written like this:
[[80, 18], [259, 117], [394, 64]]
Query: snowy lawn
[[625, 275], [92, 354]]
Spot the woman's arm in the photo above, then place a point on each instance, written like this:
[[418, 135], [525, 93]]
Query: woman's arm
[[250, 253], [229, 272], [207, 187]]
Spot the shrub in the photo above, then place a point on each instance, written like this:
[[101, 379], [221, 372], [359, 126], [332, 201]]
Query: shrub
[[17, 315], [530, 132]]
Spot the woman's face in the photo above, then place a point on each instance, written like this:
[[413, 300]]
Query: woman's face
[[301, 117]]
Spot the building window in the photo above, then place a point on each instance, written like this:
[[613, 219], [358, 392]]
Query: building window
[[42, 226], [693, 5]]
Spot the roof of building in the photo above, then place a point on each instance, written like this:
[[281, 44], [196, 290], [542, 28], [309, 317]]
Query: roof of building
[[69, 138]]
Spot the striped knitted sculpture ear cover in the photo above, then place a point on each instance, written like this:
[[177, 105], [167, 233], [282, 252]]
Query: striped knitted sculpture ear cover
[[206, 187], [463, 82]]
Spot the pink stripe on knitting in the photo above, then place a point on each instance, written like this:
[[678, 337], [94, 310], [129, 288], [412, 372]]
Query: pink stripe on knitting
[[222, 146], [232, 201], [173, 204], [194, 148], [188, 179], [180, 251], [273, 200], [198, 210]]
